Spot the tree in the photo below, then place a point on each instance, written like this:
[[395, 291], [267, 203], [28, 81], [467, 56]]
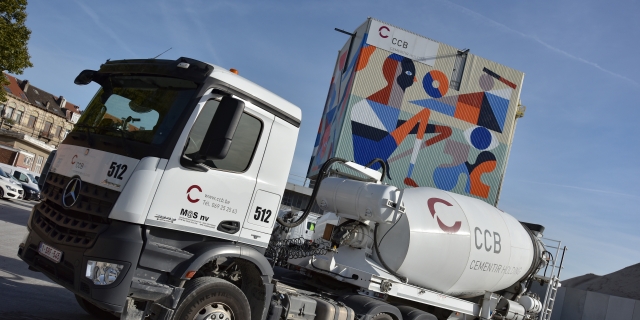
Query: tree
[[14, 35]]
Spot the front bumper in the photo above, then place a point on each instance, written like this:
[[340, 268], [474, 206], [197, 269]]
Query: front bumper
[[35, 196], [120, 243], [12, 194]]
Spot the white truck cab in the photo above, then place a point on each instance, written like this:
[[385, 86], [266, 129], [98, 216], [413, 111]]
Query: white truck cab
[[172, 166]]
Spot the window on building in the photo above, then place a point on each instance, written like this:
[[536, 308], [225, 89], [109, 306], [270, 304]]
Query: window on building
[[32, 121], [458, 69], [9, 113], [57, 131], [38, 166], [7, 89], [1, 108], [18, 116], [47, 127], [244, 142]]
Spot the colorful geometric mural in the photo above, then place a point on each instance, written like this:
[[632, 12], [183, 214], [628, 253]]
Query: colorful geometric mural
[[382, 104]]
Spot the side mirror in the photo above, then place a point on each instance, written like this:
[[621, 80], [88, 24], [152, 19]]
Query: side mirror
[[85, 77], [217, 140]]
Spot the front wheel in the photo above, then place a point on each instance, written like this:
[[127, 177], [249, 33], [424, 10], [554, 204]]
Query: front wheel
[[1, 193], [209, 298]]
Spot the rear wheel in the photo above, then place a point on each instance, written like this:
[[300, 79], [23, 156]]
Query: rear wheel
[[91, 309], [209, 298], [382, 316]]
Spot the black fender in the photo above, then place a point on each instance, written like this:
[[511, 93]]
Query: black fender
[[366, 307], [205, 252]]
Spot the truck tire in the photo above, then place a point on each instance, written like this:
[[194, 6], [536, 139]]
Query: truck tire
[[96, 312], [382, 316], [207, 296]]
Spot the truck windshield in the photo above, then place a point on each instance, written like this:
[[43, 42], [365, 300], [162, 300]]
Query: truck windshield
[[139, 108]]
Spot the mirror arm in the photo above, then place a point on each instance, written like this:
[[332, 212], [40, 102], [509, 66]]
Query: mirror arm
[[192, 165]]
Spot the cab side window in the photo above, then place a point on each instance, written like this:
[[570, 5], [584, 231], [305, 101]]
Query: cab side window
[[244, 143]]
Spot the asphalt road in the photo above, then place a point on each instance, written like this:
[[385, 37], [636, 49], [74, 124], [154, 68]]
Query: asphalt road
[[25, 294]]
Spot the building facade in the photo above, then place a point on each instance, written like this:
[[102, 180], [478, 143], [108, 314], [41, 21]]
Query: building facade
[[436, 115], [33, 122]]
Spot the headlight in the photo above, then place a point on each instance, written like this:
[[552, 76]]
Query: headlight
[[11, 188], [103, 273]]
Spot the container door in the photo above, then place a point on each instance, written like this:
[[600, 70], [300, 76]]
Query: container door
[[212, 198]]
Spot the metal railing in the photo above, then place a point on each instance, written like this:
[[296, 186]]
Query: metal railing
[[45, 134]]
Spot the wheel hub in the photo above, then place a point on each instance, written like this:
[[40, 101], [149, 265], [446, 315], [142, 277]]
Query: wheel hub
[[215, 311]]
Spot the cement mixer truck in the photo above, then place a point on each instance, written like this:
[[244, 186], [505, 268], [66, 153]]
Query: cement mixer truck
[[161, 203]]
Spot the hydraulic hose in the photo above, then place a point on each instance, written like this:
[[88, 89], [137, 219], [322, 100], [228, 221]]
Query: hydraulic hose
[[382, 163], [375, 246], [321, 175]]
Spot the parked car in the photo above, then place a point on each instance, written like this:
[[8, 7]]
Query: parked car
[[9, 188], [30, 193], [23, 175]]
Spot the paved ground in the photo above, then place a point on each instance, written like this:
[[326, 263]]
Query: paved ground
[[25, 294]]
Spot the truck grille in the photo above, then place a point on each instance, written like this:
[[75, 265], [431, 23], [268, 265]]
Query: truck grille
[[78, 225]]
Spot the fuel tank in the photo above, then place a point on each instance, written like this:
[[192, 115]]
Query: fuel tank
[[444, 241]]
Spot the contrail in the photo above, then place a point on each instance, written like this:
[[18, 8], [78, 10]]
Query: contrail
[[104, 28], [584, 189], [536, 39]]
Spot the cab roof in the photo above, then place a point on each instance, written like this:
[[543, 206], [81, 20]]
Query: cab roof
[[277, 105]]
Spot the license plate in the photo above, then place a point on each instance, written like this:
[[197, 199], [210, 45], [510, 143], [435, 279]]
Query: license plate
[[50, 252]]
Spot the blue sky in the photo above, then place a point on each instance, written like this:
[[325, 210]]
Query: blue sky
[[573, 165]]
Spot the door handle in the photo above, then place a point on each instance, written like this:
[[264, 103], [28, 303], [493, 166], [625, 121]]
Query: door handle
[[229, 226]]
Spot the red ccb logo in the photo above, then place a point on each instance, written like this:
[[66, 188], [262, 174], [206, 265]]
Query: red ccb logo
[[189, 195], [431, 203], [380, 31]]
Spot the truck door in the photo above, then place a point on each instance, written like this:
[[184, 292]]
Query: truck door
[[212, 198]]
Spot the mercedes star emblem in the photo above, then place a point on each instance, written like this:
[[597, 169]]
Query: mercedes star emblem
[[71, 192]]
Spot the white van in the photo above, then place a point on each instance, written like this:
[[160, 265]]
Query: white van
[[9, 188], [23, 175]]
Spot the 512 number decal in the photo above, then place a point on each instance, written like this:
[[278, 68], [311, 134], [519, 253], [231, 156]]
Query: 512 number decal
[[116, 170], [262, 215]]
